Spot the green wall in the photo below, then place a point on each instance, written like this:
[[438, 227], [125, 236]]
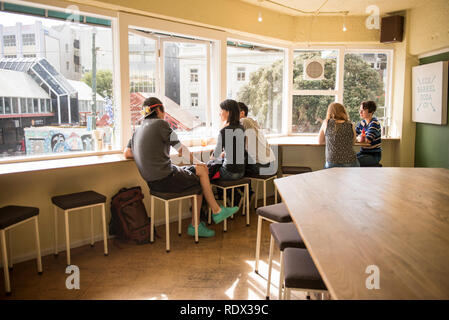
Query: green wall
[[432, 141]]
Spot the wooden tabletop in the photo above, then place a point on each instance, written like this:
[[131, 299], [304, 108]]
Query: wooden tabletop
[[394, 218], [301, 141]]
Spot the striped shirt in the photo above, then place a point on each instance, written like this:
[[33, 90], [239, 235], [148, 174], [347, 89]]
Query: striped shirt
[[372, 134]]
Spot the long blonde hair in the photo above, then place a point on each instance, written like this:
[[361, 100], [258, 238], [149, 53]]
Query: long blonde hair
[[337, 111]]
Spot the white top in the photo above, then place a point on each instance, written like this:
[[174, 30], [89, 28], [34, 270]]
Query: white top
[[260, 151]]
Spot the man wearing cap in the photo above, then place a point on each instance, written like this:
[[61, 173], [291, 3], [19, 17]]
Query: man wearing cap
[[150, 148]]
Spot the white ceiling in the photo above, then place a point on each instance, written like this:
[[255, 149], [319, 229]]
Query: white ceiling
[[355, 7]]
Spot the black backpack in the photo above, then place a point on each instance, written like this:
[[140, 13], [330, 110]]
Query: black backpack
[[129, 219]]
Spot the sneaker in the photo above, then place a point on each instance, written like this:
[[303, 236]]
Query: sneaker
[[203, 231], [224, 213]]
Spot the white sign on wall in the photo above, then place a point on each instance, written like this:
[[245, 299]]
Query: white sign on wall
[[430, 85]]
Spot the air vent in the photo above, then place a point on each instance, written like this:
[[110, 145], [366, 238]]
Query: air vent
[[314, 69]]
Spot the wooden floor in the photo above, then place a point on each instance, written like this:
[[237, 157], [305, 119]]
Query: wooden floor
[[219, 268]]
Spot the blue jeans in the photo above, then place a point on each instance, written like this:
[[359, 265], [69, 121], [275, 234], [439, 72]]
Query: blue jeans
[[369, 158], [227, 175], [337, 165]]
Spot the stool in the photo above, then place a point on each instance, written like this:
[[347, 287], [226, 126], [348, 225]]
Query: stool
[[77, 201], [264, 179], [10, 217], [300, 273], [287, 170], [168, 197], [274, 213], [285, 235], [231, 184]]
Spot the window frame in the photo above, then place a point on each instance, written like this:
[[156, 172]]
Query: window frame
[[339, 81]]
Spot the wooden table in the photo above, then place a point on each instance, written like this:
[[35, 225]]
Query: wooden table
[[394, 218]]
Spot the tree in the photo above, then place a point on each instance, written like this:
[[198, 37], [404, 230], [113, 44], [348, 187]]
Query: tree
[[104, 82], [263, 91]]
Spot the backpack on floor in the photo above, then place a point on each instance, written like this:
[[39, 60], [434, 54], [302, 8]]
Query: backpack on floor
[[129, 219]]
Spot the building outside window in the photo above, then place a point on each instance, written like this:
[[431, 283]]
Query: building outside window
[[241, 74], [9, 40], [28, 39], [194, 99], [194, 75]]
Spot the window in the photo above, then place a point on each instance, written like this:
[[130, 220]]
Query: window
[[260, 82], [193, 75], [241, 73], [28, 39], [9, 40], [365, 76], [10, 56], [1, 106], [23, 105], [53, 93], [194, 99], [169, 68], [314, 87]]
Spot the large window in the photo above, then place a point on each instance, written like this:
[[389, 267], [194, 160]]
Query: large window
[[47, 108], [350, 77], [259, 74], [175, 70]]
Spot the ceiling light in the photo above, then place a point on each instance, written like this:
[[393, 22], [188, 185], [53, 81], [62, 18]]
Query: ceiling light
[[260, 17]]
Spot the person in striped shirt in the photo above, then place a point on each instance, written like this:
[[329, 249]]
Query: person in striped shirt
[[369, 131]]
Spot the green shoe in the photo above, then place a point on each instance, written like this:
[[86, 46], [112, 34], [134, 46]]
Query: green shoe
[[225, 213], [203, 231]]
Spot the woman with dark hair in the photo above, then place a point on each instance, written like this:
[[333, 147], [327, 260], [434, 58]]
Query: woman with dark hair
[[150, 148], [369, 131], [230, 148]]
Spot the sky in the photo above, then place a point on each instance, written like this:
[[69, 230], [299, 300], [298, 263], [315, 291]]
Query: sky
[[10, 19]]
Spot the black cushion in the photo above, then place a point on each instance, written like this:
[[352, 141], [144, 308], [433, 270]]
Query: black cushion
[[300, 271], [171, 195], [261, 177], [276, 212], [295, 170], [372, 165], [10, 215], [80, 199], [286, 235], [230, 183]]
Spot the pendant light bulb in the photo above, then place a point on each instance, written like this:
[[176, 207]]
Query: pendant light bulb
[[260, 17]]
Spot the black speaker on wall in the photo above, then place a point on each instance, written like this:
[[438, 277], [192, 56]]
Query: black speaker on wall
[[392, 29]]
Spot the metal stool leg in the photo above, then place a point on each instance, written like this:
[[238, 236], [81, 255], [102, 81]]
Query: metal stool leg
[[56, 230], [38, 246], [258, 237], [195, 219], [275, 193], [225, 222], [281, 274], [67, 236], [91, 226], [265, 193], [179, 217], [9, 250], [5, 262], [209, 216], [105, 237], [232, 200], [152, 220], [256, 194], [247, 204], [270, 263], [167, 228]]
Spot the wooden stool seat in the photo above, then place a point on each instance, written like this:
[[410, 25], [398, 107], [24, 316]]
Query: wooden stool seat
[[229, 183], [10, 217]]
